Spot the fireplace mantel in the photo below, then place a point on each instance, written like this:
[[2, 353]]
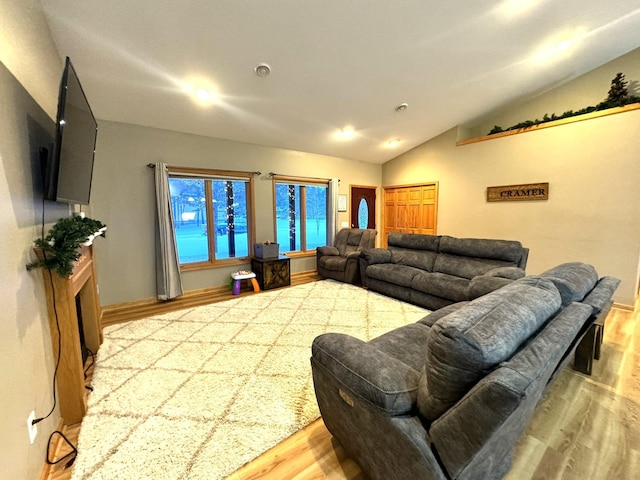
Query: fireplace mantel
[[62, 294]]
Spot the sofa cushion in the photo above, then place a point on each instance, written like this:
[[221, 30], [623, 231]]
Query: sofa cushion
[[466, 344], [422, 259], [333, 263], [493, 414], [414, 241], [328, 250], [396, 274], [407, 344], [574, 280], [441, 285], [427, 300], [506, 250], [467, 267]]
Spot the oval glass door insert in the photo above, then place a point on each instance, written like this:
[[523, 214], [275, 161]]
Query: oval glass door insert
[[363, 214]]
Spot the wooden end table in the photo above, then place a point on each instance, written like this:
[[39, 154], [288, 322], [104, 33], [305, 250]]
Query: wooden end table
[[272, 272]]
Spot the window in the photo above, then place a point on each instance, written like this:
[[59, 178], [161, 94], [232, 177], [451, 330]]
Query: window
[[212, 216], [301, 213]]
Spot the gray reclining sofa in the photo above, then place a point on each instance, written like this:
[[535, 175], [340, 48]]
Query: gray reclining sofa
[[449, 396], [435, 271]]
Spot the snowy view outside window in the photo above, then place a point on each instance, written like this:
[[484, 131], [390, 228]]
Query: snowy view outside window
[[210, 218], [301, 208]]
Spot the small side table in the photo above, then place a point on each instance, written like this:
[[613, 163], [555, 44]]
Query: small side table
[[236, 280], [272, 272]]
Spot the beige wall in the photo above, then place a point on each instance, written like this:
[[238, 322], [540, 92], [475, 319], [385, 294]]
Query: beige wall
[[584, 91], [124, 199], [30, 69], [593, 213]]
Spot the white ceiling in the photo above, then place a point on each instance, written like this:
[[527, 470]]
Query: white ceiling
[[334, 63]]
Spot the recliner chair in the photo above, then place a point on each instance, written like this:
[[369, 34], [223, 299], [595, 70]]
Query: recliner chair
[[340, 261]]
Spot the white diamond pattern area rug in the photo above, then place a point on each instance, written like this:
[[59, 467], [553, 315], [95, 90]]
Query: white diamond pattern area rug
[[197, 393]]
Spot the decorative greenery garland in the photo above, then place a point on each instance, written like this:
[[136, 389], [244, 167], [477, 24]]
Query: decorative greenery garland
[[618, 97], [60, 248]]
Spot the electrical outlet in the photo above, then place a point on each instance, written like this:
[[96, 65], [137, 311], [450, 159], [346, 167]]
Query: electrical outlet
[[33, 429]]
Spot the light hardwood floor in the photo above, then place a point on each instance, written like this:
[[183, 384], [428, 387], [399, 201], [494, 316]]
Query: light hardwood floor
[[587, 427]]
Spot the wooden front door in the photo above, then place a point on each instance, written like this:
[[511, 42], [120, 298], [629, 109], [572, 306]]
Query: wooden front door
[[410, 209], [363, 207]]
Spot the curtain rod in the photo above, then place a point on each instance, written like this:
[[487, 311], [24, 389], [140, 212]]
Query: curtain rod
[[273, 174], [153, 165]]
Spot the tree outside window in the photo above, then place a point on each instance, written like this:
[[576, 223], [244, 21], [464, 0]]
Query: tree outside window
[[211, 218], [301, 214]]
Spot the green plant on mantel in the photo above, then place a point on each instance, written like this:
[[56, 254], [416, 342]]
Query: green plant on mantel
[[61, 247], [618, 96]]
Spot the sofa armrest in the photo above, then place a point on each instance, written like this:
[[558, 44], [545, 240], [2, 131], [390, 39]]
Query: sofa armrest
[[602, 293], [353, 254], [512, 273], [481, 285], [382, 381], [492, 280], [328, 250], [376, 255]]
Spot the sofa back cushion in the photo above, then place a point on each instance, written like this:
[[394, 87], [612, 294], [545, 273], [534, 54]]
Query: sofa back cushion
[[414, 241], [467, 267], [414, 250], [469, 342], [508, 251], [350, 240], [475, 437], [574, 280]]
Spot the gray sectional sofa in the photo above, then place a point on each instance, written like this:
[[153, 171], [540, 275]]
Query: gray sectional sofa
[[449, 396], [435, 271]]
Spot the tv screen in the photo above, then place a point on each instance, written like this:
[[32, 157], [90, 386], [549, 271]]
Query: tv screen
[[70, 169]]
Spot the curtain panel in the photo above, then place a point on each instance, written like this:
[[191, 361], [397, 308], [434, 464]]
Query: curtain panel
[[168, 279], [332, 209]]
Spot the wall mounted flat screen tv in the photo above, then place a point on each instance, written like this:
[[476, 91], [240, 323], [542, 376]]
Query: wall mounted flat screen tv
[[69, 169]]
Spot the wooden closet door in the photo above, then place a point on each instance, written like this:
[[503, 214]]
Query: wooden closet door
[[410, 209]]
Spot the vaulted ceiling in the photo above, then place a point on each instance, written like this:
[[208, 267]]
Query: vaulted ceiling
[[339, 69]]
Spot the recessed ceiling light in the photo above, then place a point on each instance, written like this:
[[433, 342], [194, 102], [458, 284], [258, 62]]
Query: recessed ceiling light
[[202, 91], [346, 133], [394, 142], [402, 107], [263, 70], [203, 94]]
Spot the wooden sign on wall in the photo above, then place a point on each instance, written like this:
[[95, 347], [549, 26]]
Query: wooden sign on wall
[[510, 193]]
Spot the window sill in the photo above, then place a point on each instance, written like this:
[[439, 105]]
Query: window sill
[[309, 253], [191, 267]]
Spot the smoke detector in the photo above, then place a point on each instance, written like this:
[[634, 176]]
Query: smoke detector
[[263, 70]]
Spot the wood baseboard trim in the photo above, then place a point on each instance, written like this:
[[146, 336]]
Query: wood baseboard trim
[[622, 306], [127, 311]]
